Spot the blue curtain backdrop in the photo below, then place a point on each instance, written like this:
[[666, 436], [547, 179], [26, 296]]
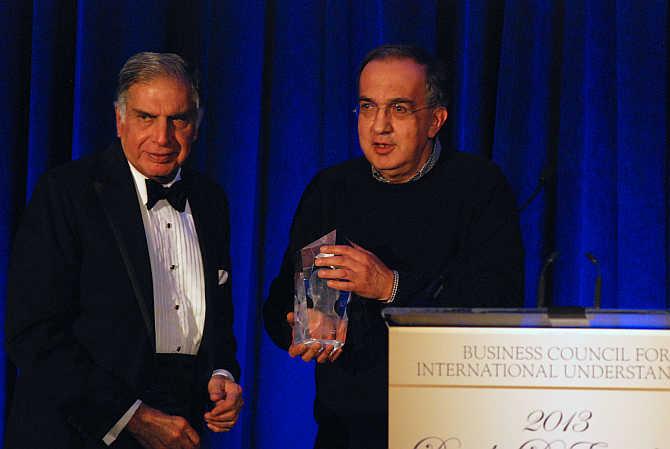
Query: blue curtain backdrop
[[574, 90]]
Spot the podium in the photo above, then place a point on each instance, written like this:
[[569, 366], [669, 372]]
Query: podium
[[528, 379]]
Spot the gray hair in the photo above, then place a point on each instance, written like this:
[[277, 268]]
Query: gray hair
[[146, 66], [436, 73]]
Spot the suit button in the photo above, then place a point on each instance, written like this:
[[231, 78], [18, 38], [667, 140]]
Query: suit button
[[176, 306], [178, 348]]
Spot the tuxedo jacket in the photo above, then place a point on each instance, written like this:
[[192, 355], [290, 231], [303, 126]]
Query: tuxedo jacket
[[80, 316]]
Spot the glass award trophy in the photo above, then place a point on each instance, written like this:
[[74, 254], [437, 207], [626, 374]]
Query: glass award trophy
[[320, 311]]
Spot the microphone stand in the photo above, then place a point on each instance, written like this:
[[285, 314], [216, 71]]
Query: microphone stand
[[542, 284], [546, 175], [597, 290], [548, 171]]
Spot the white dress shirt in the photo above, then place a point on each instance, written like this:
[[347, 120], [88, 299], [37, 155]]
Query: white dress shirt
[[176, 271], [178, 281]]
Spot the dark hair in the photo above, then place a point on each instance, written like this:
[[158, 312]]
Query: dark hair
[[436, 74], [146, 66]]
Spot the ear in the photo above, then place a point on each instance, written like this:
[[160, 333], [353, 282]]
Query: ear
[[198, 120], [119, 121], [439, 117]]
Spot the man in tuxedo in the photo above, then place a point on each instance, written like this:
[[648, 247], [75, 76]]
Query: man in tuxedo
[[119, 299], [426, 226]]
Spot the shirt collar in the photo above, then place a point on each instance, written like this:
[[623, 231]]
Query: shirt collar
[[425, 168], [141, 185]]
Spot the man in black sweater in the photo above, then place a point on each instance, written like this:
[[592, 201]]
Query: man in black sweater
[[425, 226]]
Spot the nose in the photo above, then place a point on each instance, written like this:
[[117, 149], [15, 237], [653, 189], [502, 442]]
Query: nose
[[382, 121], [162, 131]]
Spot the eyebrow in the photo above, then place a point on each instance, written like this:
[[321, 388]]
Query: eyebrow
[[141, 112], [186, 115], [391, 101], [401, 100]]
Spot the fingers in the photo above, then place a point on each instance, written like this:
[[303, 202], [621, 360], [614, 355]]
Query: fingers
[[324, 354], [345, 286], [356, 270], [222, 413], [290, 318], [157, 430], [181, 435], [344, 279], [222, 423], [335, 273], [335, 261], [225, 413], [192, 436], [341, 335], [215, 427], [216, 387], [306, 352], [341, 332], [335, 355], [295, 350], [341, 279], [344, 261], [356, 253], [313, 351]]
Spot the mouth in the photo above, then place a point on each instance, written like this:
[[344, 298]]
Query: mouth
[[383, 147], [161, 158]]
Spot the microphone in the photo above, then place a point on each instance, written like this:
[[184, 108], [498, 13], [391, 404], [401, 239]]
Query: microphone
[[542, 284], [597, 290], [546, 176], [435, 288]]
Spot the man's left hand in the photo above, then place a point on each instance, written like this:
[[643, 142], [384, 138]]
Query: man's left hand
[[227, 398], [356, 270]]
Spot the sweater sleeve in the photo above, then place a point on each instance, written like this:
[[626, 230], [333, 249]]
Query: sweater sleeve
[[487, 270]]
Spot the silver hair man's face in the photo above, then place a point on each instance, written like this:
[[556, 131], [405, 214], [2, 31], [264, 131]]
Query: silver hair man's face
[[157, 125], [146, 66]]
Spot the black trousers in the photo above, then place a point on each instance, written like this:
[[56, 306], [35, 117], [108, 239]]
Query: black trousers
[[351, 432], [173, 390]]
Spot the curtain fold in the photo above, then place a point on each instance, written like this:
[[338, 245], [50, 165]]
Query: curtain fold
[[570, 96]]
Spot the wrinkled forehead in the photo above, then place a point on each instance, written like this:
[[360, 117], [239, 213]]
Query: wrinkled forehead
[[160, 97], [166, 86], [172, 83]]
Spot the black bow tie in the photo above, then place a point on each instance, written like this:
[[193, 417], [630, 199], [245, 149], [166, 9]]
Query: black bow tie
[[176, 194]]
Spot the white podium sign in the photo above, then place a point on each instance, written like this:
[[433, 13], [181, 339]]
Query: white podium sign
[[528, 388]]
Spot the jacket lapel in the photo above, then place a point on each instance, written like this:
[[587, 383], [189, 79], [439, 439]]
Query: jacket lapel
[[116, 190], [205, 226]]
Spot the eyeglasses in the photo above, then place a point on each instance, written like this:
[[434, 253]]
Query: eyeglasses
[[368, 110]]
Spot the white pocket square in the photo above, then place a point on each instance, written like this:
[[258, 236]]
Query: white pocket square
[[223, 277]]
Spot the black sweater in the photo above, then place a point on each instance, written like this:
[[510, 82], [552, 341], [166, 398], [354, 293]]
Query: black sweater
[[458, 220]]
